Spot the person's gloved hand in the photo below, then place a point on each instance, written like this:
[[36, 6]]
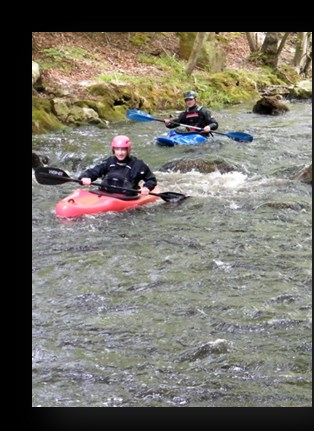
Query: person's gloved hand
[[86, 181]]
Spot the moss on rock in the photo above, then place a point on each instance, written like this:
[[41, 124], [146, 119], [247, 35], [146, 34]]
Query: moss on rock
[[43, 118]]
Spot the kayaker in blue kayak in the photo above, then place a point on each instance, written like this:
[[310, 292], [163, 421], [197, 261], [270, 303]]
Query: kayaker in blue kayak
[[121, 170], [194, 115]]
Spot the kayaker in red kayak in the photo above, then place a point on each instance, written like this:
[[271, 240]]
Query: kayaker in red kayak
[[194, 115], [121, 170]]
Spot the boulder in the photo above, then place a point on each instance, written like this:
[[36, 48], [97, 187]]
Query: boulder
[[35, 72], [269, 105], [39, 160]]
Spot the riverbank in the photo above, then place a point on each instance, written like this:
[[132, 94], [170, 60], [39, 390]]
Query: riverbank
[[94, 77]]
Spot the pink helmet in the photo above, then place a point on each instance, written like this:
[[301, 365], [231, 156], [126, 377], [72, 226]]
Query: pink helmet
[[121, 141]]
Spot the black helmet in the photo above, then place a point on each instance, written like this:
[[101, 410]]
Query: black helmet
[[190, 95]]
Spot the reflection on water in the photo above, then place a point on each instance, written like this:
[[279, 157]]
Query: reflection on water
[[202, 304]]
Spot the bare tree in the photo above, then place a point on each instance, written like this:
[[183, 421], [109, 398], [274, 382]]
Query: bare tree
[[308, 61], [302, 50], [197, 46], [270, 45], [282, 43], [253, 41], [270, 48]]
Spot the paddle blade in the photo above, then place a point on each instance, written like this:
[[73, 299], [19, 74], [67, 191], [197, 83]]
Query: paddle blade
[[135, 115], [171, 196], [240, 136], [51, 176]]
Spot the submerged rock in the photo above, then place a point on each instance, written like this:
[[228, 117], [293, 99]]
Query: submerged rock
[[269, 105], [304, 175], [38, 160], [212, 347], [200, 165]]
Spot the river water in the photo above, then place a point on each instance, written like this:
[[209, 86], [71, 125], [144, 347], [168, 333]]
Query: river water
[[202, 304]]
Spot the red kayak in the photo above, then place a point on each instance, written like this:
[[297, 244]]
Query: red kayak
[[82, 201]]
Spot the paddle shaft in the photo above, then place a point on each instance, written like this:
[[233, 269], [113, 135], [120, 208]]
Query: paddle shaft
[[114, 187], [160, 195], [136, 115], [229, 135], [196, 128], [179, 124], [166, 196], [192, 127], [53, 176], [56, 178]]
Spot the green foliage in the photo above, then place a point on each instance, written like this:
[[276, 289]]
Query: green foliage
[[287, 73], [159, 91], [223, 88], [43, 121], [165, 62], [175, 68], [234, 34], [121, 78], [64, 52], [140, 39], [63, 57], [224, 39], [257, 58]]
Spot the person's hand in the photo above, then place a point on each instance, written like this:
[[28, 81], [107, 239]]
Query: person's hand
[[145, 191], [167, 121], [86, 181], [206, 129]]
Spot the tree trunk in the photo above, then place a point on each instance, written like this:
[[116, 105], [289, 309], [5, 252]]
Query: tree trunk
[[301, 51], [252, 41], [282, 43], [270, 48], [308, 62], [197, 46]]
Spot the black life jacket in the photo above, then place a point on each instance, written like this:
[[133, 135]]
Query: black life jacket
[[119, 176], [193, 118]]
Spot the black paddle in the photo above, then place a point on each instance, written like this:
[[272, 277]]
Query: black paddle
[[135, 115], [53, 176]]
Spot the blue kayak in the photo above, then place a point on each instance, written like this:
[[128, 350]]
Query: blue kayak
[[180, 138]]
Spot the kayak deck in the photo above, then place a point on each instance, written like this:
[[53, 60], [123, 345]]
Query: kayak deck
[[174, 138], [81, 202]]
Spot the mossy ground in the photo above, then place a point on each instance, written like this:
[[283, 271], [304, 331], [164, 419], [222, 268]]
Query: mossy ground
[[145, 67]]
